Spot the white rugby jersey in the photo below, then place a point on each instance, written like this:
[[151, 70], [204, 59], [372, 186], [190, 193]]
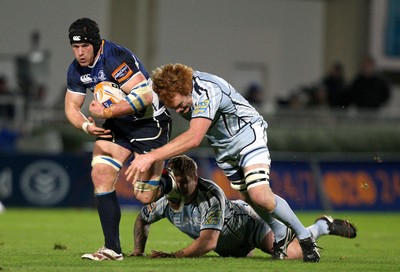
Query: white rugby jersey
[[241, 228], [215, 99], [206, 211], [236, 125]]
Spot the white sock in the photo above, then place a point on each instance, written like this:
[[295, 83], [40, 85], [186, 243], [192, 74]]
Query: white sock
[[285, 214], [319, 228]]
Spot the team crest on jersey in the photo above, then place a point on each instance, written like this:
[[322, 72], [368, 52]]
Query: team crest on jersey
[[213, 218], [122, 73], [201, 107], [101, 76]]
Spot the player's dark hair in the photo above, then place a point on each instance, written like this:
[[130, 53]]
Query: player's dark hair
[[183, 166], [85, 30]]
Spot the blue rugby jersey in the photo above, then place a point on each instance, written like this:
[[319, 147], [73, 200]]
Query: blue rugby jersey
[[116, 64]]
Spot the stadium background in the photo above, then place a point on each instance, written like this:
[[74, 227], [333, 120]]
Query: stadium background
[[321, 160]]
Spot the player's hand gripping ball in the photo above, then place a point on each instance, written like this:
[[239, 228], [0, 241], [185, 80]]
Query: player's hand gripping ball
[[108, 93]]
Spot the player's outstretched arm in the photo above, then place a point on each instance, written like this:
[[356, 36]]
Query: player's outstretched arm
[[140, 235], [179, 145], [206, 242]]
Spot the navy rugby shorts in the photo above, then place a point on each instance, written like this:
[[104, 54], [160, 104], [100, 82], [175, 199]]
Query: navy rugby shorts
[[140, 136]]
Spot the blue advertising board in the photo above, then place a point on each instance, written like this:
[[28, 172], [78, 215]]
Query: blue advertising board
[[64, 181], [45, 180]]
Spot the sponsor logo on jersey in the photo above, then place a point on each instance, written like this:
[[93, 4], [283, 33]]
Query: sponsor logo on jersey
[[122, 73], [86, 79], [201, 107], [213, 218]]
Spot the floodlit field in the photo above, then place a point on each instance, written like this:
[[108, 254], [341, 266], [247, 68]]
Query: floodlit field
[[54, 240]]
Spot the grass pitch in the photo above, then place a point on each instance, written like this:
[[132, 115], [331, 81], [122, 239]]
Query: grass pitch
[[54, 240]]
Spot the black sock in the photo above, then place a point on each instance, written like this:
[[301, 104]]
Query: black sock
[[110, 216]]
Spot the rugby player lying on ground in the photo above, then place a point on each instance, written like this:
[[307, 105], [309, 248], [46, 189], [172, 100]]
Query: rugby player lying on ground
[[230, 228]]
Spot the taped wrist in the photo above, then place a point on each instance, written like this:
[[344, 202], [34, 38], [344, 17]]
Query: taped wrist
[[85, 125], [108, 112]]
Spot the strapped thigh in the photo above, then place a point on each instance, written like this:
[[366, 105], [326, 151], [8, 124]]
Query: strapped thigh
[[104, 159], [256, 177], [146, 185], [236, 179]]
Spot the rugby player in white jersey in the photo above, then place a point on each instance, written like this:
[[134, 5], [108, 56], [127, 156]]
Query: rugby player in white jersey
[[238, 135], [230, 228]]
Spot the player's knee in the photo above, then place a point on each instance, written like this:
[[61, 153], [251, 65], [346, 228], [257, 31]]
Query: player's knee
[[104, 172], [262, 198]]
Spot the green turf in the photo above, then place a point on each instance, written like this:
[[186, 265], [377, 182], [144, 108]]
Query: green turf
[[54, 240]]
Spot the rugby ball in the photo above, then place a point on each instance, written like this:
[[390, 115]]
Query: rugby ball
[[108, 93]]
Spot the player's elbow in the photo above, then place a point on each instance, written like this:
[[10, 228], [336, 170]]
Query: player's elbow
[[212, 245], [69, 113], [204, 248], [208, 248], [194, 138], [194, 142], [209, 244]]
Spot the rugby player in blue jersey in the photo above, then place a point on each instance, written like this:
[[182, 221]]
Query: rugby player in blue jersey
[[230, 228], [238, 135], [135, 125]]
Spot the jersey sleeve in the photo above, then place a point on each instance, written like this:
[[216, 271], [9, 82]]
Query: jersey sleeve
[[207, 101], [155, 211], [74, 83], [213, 214], [122, 65]]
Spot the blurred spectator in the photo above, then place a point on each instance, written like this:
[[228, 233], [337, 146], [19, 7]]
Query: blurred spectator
[[297, 99], [7, 110], [254, 95], [330, 92], [33, 72], [316, 96], [7, 114], [369, 90], [307, 96], [334, 85], [4, 89]]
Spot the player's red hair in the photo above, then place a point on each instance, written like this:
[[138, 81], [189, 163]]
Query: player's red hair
[[171, 79]]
